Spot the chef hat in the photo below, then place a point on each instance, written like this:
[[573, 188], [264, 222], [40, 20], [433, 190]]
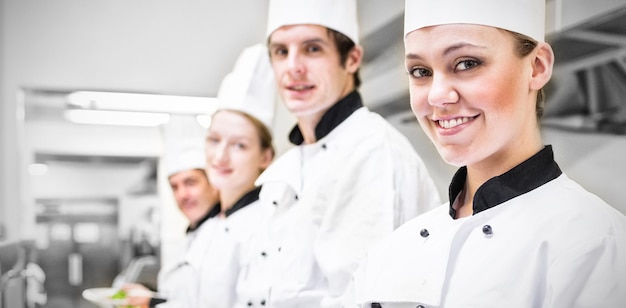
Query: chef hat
[[183, 139], [339, 15], [522, 16], [250, 87]]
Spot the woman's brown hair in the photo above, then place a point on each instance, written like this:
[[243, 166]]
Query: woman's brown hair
[[524, 45]]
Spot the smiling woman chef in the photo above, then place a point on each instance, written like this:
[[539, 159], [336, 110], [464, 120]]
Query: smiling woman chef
[[238, 148], [517, 232]]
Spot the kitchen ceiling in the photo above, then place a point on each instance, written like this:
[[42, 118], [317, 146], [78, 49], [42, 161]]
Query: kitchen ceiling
[[157, 48], [588, 91]]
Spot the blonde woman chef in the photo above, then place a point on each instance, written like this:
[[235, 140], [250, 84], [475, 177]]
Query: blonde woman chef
[[238, 148]]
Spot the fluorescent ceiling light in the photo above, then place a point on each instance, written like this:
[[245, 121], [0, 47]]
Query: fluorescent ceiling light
[[135, 109], [171, 104], [37, 169], [105, 117]]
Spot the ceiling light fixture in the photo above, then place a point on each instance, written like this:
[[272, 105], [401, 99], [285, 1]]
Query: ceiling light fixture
[[106, 117], [37, 169], [134, 109]]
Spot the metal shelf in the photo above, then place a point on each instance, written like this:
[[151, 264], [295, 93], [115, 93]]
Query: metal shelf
[[590, 75]]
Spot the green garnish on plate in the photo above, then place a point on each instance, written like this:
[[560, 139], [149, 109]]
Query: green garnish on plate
[[121, 294]]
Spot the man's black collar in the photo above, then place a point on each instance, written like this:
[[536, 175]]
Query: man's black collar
[[212, 213], [334, 116]]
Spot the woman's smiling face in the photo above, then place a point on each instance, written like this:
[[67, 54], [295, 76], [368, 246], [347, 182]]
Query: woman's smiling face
[[234, 154], [470, 92]]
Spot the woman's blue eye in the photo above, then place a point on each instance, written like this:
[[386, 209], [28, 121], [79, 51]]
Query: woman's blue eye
[[466, 64], [420, 72]]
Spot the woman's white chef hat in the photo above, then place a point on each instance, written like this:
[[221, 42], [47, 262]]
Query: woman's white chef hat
[[183, 140], [250, 87], [522, 16], [339, 15]]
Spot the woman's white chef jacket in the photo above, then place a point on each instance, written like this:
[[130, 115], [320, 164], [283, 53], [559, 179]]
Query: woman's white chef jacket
[[333, 200], [536, 239], [206, 275]]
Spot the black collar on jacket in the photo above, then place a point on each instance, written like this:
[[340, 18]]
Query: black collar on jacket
[[530, 174], [212, 213], [334, 116], [245, 200]]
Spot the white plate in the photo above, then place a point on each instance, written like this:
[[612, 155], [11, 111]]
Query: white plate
[[102, 296]]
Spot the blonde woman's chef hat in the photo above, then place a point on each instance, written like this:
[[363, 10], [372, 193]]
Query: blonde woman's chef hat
[[339, 15], [250, 87], [522, 16], [183, 140]]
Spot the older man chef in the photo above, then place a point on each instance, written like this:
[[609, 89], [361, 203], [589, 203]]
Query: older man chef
[[185, 162]]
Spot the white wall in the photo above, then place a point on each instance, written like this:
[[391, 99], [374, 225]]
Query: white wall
[[3, 131], [9, 196]]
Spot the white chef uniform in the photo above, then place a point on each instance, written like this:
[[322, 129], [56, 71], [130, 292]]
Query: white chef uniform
[[206, 276], [179, 281], [536, 239], [333, 199], [184, 150]]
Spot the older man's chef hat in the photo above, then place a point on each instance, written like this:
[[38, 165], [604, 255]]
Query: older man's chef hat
[[522, 16], [250, 87], [339, 15], [183, 139]]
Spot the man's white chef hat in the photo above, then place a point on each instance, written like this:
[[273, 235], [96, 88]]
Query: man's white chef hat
[[250, 87], [183, 139], [522, 16], [339, 15]]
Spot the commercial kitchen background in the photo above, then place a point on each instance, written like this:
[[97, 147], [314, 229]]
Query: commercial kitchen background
[[74, 198]]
